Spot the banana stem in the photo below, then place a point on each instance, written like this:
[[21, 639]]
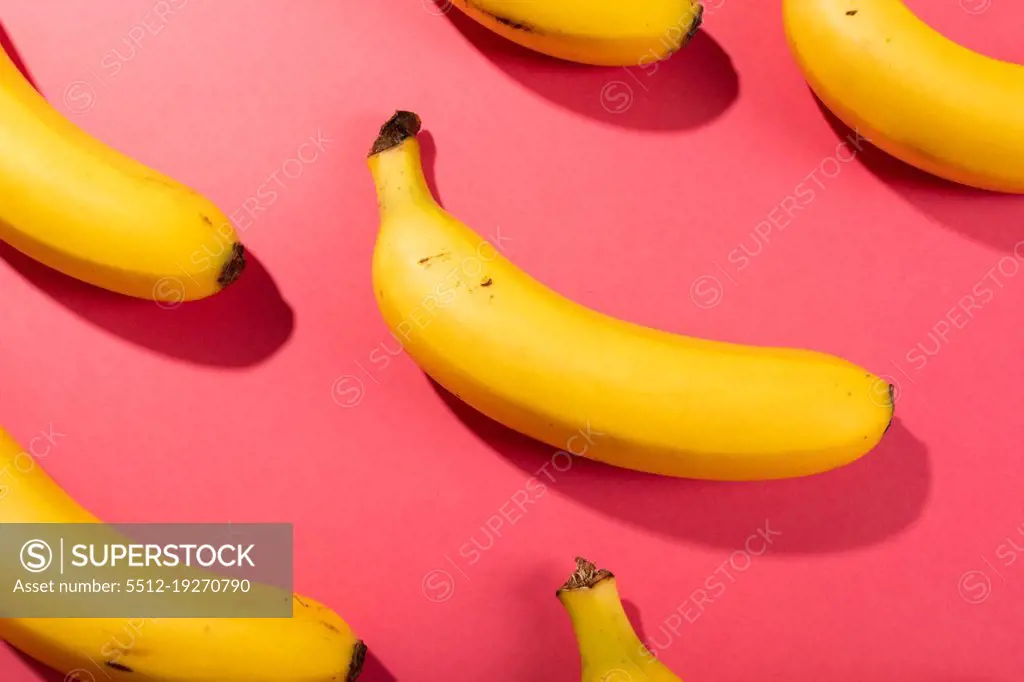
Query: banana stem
[[586, 575], [401, 125], [591, 599], [396, 164]]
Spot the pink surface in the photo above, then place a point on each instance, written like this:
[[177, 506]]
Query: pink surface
[[630, 191]]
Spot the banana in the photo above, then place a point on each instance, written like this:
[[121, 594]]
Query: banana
[[81, 207], [599, 32], [911, 91], [314, 645], [588, 383], [610, 650]]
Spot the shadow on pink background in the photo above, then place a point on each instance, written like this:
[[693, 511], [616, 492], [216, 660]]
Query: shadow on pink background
[[858, 505], [373, 670], [676, 94], [242, 326], [991, 218]]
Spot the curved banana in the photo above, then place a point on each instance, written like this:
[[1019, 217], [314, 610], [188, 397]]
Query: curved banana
[[591, 384], [314, 645], [80, 207], [610, 650], [911, 91], [599, 32]]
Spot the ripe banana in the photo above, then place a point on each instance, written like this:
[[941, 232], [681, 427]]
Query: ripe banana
[[314, 645], [600, 32], [610, 650], [81, 207], [911, 91], [591, 384]]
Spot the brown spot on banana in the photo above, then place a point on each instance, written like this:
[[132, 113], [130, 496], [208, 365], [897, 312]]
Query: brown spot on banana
[[425, 261], [119, 666]]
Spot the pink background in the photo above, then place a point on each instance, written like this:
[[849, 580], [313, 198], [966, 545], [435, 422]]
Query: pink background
[[628, 190]]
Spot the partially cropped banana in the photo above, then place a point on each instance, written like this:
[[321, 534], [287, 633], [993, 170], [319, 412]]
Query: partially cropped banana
[[911, 91], [588, 383], [600, 32], [314, 645], [83, 208], [610, 650]]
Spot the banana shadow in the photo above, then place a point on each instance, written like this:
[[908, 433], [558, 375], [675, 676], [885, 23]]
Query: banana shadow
[[8, 46], [635, 619], [373, 670], [686, 91], [991, 218], [42, 673], [428, 153], [242, 326], [862, 504]]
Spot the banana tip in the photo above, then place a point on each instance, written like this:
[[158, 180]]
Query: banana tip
[[401, 126], [356, 665], [586, 576], [698, 21], [892, 408], [232, 270]]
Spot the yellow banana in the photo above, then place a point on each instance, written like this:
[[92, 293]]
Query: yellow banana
[[588, 383], [911, 91], [610, 650], [314, 645], [600, 32], [83, 208]]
